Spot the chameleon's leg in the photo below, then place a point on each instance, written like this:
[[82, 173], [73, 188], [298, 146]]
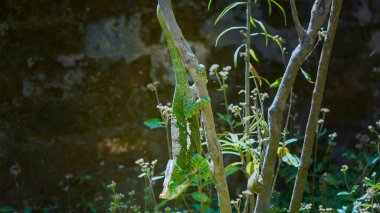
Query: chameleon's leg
[[199, 163], [191, 107]]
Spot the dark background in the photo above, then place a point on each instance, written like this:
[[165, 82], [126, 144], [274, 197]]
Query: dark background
[[73, 94]]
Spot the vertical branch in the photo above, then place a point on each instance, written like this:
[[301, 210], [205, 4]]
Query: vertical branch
[[247, 89], [214, 146], [315, 107], [275, 113]]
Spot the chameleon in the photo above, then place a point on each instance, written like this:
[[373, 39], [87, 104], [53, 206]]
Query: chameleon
[[186, 157]]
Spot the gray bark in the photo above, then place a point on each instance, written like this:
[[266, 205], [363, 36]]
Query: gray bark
[[275, 113], [316, 103], [191, 62]]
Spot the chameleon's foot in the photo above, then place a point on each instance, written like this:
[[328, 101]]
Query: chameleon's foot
[[199, 163], [204, 101], [201, 69]]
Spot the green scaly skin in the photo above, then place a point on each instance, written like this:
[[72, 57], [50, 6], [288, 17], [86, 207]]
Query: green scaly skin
[[187, 160]]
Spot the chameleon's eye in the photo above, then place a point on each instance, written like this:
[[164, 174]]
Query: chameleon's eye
[[201, 68]]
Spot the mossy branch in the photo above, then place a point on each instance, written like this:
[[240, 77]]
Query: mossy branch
[[214, 146]]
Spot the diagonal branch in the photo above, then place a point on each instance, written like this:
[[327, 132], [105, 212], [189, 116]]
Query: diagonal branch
[[316, 103], [300, 30], [275, 112], [191, 62]]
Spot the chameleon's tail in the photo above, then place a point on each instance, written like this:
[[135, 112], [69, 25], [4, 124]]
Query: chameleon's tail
[[176, 181]]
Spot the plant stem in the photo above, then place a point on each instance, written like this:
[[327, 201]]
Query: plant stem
[[151, 190], [228, 112], [166, 126], [276, 175], [222, 83]]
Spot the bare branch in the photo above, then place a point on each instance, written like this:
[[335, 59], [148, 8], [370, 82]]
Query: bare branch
[[316, 103], [275, 112], [300, 30], [191, 62]]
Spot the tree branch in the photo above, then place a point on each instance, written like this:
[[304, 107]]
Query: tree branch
[[300, 30], [315, 108], [191, 62], [275, 112]]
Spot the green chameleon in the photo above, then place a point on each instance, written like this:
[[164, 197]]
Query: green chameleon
[[187, 160]]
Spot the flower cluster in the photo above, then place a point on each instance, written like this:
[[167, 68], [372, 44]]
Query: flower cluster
[[236, 110], [153, 86]]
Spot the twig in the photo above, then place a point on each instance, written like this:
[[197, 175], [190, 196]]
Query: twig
[[300, 30], [315, 107]]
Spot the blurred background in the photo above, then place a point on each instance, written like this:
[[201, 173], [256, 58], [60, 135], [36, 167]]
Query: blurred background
[[73, 96]]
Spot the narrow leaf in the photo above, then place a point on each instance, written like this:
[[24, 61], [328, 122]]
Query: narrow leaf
[[157, 178], [343, 193], [228, 8], [276, 83], [262, 26], [200, 197], [253, 54], [252, 22], [281, 8], [236, 54], [154, 123], [225, 31], [209, 5], [306, 76], [254, 72]]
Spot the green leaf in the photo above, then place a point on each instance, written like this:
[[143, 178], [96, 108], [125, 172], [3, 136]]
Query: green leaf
[[250, 168], [329, 179], [142, 175], [200, 197], [291, 159], [154, 123], [230, 153], [276, 83], [255, 73], [236, 54], [253, 127], [252, 22], [225, 31], [157, 178], [281, 8], [306, 76], [209, 5], [262, 26], [343, 193], [228, 8], [372, 160], [231, 170], [162, 203], [238, 163], [253, 54], [87, 177]]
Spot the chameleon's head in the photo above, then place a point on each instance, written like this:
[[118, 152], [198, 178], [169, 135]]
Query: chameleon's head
[[176, 181]]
